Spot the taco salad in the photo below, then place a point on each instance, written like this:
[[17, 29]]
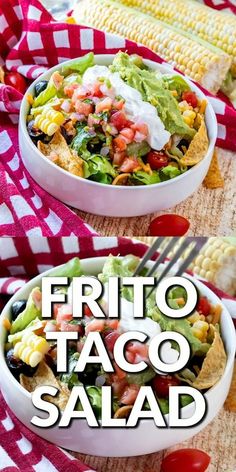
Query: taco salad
[[32, 359], [123, 124]]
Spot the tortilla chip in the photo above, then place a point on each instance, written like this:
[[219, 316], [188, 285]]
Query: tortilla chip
[[230, 403], [64, 155], [198, 147], [213, 365], [214, 177], [45, 376]]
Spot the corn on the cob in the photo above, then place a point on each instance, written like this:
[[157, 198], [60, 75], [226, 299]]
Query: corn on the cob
[[216, 262], [207, 67], [217, 28], [49, 121], [31, 349]]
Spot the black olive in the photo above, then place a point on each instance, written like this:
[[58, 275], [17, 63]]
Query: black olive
[[16, 308], [34, 133], [184, 143], [40, 87], [17, 366]]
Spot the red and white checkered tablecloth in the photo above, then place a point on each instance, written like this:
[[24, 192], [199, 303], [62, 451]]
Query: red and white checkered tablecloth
[[222, 5], [30, 42], [20, 260]]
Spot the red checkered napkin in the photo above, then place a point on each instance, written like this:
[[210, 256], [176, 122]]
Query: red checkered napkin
[[223, 5], [30, 42], [23, 451]]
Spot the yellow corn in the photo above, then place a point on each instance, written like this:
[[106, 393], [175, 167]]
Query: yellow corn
[[201, 63], [31, 349], [216, 262], [49, 121], [200, 329], [217, 28]]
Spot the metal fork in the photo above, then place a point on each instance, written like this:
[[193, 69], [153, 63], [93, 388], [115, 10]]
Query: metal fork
[[198, 244]]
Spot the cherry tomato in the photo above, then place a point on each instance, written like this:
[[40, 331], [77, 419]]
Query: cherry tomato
[[186, 460], [16, 80], [157, 160], [162, 383], [190, 98], [203, 306], [169, 225]]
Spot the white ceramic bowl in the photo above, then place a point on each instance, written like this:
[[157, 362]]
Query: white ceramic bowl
[[144, 439], [108, 200]]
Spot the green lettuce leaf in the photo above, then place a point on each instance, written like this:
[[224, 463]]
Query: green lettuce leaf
[[169, 172], [143, 178], [98, 166], [80, 65], [46, 95], [175, 82], [138, 149], [141, 378], [30, 313], [71, 269]]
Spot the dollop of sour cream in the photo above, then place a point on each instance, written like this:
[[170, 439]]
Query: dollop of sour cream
[[145, 325], [136, 109]]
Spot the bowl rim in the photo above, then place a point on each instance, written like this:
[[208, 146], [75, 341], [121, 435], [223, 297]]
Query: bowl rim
[[101, 259], [166, 68]]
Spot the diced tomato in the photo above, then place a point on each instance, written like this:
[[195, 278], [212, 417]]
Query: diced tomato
[[129, 164], [37, 298], [112, 324], [119, 143], [139, 137], [190, 98], [130, 356], [64, 313], [87, 311], [83, 108], [162, 383], [96, 91], [93, 121], [128, 135], [95, 325], [141, 128], [203, 306], [157, 160], [140, 350], [104, 105], [118, 385], [80, 92], [119, 104], [118, 158], [56, 306], [130, 394], [50, 326], [119, 120], [110, 340], [65, 326], [121, 374], [69, 89]]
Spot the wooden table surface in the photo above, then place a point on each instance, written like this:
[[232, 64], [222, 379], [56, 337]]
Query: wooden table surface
[[218, 440], [210, 212]]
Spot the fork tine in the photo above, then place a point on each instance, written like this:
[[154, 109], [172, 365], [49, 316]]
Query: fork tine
[[189, 259], [175, 258], [163, 255], [148, 255]]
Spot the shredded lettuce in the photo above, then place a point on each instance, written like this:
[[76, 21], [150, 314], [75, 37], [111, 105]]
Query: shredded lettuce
[[138, 149], [141, 378], [175, 82], [99, 168], [169, 172]]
